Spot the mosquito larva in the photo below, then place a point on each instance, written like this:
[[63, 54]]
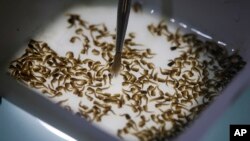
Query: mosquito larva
[[74, 38], [173, 48], [79, 31], [56, 94], [69, 55], [95, 52], [62, 101], [97, 85], [45, 91], [137, 7], [146, 55], [155, 76], [150, 65], [143, 62], [161, 80], [110, 78], [119, 133], [145, 109], [135, 69], [171, 63], [60, 88], [157, 98]]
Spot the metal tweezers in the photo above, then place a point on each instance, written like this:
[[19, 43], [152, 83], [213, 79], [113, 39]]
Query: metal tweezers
[[122, 22]]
